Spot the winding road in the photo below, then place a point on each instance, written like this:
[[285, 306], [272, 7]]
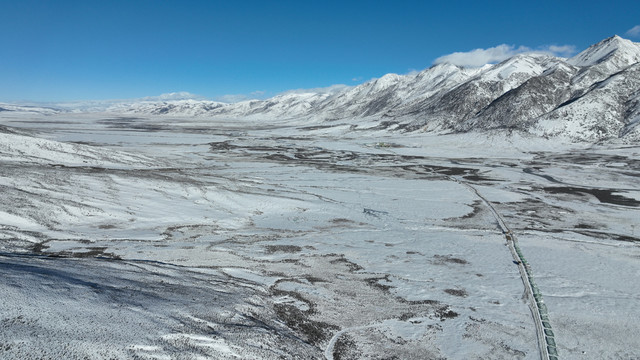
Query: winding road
[[546, 338]]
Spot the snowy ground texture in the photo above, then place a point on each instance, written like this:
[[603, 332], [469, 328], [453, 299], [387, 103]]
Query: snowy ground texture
[[162, 238]]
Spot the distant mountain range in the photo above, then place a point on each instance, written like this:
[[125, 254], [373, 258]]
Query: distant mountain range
[[593, 96]]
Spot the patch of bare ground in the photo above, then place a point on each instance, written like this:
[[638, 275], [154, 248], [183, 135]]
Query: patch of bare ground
[[345, 348], [83, 252], [456, 292], [448, 259], [608, 196], [271, 249], [314, 332]]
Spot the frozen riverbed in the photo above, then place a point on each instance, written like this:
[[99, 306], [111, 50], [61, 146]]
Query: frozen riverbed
[[179, 238]]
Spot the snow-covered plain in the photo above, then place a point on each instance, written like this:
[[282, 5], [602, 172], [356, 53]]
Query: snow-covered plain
[[187, 238]]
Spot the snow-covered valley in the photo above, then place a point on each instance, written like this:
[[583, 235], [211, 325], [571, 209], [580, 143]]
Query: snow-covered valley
[[160, 237]]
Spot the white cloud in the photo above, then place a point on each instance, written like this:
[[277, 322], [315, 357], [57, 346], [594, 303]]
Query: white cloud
[[634, 31], [560, 50], [180, 95], [480, 57], [234, 98]]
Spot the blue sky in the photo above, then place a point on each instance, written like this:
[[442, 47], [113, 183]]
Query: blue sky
[[62, 50]]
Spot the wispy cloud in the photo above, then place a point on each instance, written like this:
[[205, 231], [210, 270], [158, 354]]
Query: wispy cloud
[[559, 50], [634, 31], [179, 95], [480, 57], [234, 98]]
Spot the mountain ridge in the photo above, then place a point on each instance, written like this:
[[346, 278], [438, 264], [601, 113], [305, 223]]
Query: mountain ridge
[[590, 97]]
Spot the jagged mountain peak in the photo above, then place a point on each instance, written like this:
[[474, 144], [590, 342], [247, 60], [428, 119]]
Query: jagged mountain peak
[[529, 64], [386, 81], [622, 50], [446, 70], [586, 98]]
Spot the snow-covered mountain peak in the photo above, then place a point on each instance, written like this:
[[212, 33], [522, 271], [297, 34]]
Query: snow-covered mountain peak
[[436, 77], [444, 70], [589, 97], [529, 64], [445, 67], [385, 82], [560, 66], [621, 51]]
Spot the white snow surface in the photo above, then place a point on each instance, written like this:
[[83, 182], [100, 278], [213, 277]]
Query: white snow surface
[[165, 237], [361, 222]]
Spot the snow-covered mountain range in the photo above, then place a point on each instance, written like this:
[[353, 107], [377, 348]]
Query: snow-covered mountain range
[[592, 96]]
